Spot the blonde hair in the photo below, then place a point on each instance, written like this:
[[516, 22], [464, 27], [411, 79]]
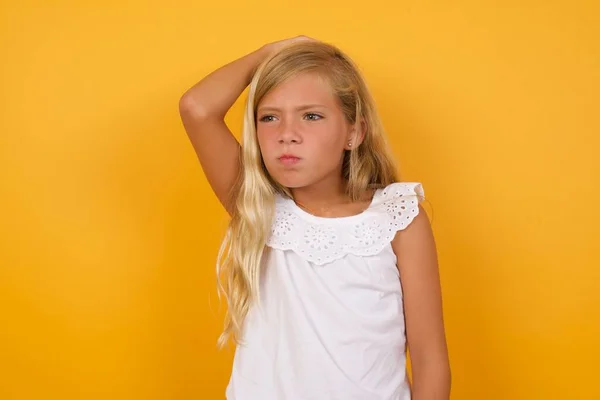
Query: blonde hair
[[368, 166]]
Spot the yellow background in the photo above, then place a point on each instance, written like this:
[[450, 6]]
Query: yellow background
[[109, 230]]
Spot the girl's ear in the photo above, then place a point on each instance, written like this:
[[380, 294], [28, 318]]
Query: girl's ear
[[356, 134]]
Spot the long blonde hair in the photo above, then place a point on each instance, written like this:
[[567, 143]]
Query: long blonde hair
[[367, 166]]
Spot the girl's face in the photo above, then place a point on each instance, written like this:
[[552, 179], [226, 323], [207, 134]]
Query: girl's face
[[302, 132]]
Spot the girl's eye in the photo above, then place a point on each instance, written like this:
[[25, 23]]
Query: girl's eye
[[267, 118], [313, 116]]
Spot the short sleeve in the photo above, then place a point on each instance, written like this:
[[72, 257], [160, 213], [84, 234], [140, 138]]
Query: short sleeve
[[401, 201]]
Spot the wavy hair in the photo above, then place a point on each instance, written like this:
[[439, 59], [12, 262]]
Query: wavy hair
[[368, 166]]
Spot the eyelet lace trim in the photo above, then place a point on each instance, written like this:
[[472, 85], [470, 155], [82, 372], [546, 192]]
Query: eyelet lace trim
[[323, 240]]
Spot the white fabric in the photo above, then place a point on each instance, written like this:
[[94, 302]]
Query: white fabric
[[330, 323]]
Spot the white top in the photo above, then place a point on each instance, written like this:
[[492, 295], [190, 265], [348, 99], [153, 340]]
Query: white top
[[330, 323]]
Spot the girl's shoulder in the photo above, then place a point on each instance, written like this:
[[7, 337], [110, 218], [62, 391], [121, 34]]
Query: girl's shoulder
[[397, 204], [402, 192]]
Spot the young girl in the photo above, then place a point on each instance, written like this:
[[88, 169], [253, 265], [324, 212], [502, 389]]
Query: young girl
[[329, 264]]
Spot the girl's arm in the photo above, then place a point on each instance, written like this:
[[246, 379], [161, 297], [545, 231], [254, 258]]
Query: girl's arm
[[203, 108], [417, 262]]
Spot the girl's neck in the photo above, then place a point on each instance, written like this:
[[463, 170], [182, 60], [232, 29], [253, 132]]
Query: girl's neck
[[327, 198], [322, 194]]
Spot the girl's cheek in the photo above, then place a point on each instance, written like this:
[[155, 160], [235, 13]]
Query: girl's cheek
[[260, 135], [265, 133], [266, 144]]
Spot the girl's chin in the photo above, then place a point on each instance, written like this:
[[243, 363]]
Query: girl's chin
[[292, 181]]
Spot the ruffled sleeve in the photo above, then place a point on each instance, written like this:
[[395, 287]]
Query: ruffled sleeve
[[400, 201]]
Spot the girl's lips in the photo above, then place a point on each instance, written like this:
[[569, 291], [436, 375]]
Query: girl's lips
[[288, 159]]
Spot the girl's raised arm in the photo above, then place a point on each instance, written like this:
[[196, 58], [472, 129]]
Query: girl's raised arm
[[203, 108]]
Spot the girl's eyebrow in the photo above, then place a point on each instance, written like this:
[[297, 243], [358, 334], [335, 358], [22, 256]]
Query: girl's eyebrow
[[299, 108]]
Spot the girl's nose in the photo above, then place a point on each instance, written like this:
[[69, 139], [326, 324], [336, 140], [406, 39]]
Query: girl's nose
[[288, 133]]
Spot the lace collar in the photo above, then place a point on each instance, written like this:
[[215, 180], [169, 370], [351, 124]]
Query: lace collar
[[321, 240]]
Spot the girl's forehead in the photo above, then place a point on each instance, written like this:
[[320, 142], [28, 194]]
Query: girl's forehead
[[303, 87]]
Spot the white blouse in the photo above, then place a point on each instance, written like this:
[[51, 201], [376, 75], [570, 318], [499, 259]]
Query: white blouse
[[330, 322]]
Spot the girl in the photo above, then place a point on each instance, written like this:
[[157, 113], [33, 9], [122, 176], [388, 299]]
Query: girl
[[329, 263]]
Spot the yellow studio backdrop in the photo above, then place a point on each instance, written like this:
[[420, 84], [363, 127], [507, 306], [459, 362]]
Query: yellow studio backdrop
[[109, 231]]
